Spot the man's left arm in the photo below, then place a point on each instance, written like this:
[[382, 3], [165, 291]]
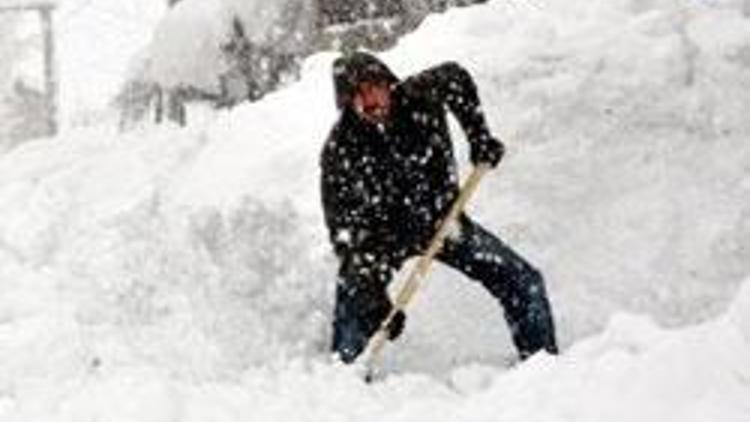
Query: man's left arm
[[452, 85]]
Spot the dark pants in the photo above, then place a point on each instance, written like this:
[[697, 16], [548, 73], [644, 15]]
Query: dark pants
[[362, 302]]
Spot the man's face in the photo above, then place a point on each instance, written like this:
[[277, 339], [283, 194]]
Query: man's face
[[372, 101]]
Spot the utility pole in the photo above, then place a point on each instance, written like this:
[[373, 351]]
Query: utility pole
[[50, 73]]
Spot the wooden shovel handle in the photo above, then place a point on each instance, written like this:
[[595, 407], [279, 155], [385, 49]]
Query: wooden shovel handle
[[422, 267]]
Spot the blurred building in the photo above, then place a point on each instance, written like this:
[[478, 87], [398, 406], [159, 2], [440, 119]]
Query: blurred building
[[28, 111], [252, 62]]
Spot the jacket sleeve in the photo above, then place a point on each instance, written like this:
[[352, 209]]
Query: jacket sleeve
[[451, 84]]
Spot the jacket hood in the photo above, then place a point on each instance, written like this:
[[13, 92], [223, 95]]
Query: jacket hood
[[352, 69]]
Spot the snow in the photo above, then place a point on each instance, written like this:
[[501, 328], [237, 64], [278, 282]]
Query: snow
[[186, 49], [186, 45], [184, 274], [96, 45]]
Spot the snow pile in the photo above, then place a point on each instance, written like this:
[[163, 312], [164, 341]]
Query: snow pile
[[632, 371], [627, 128], [169, 287], [184, 274]]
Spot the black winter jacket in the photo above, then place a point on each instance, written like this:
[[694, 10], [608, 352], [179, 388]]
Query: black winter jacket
[[385, 187]]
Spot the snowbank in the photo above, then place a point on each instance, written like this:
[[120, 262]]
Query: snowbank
[[184, 273], [632, 371]]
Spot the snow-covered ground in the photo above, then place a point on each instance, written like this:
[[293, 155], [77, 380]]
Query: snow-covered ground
[[184, 274]]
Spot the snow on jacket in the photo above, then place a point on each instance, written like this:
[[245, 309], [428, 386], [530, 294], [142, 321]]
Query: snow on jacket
[[385, 187]]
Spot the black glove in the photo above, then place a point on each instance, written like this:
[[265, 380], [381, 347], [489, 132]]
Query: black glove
[[396, 326], [486, 150]]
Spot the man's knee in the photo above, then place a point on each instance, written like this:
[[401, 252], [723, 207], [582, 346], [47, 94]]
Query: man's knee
[[533, 283]]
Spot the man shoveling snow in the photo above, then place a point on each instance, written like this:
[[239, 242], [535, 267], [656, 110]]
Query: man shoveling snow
[[388, 177]]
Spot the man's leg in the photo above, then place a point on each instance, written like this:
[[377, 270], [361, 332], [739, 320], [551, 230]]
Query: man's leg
[[362, 304], [514, 282]]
